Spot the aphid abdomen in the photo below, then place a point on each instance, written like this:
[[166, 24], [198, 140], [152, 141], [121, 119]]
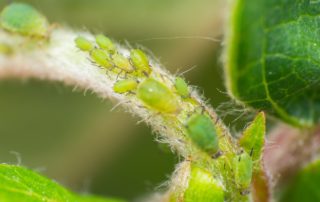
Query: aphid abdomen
[[181, 87], [124, 86], [101, 58], [83, 44], [140, 61], [157, 96], [122, 63], [105, 43], [202, 132], [242, 167]]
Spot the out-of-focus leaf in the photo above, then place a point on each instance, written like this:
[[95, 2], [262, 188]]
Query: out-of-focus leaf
[[305, 186], [273, 59], [18, 184], [261, 186]]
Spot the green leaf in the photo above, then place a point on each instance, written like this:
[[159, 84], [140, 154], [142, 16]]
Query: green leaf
[[305, 186], [252, 140], [203, 187], [18, 184], [273, 61]]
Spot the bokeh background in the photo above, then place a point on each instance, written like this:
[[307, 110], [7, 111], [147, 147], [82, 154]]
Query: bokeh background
[[73, 137]]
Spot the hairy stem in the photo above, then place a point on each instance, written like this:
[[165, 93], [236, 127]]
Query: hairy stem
[[58, 59]]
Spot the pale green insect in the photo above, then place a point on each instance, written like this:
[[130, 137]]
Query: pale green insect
[[157, 96], [181, 87], [83, 44], [101, 58], [105, 43], [202, 132], [24, 19], [124, 86], [122, 63], [140, 61], [242, 166]]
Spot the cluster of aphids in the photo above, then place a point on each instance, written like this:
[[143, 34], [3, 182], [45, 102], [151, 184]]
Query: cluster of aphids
[[152, 92], [157, 96]]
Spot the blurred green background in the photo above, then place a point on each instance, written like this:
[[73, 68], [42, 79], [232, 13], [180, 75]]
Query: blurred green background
[[73, 137]]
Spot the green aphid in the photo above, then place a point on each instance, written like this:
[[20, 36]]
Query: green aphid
[[101, 58], [122, 63], [124, 86], [105, 43], [25, 20], [140, 61], [202, 132], [83, 44], [181, 87], [203, 187], [242, 167], [157, 96]]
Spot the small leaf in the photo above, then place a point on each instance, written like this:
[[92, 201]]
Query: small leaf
[[252, 140], [305, 186], [273, 61], [20, 184]]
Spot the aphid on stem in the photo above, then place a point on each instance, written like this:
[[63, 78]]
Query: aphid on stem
[[158, 96], [202, 132], [23, 19], [126, 85]]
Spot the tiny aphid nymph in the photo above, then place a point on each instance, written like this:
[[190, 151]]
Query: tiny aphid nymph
[[105, 43], [25, 20], [202, 131], [83, 44], [181, 87], [101, 58], [124, 86], [158, 96], [242, 166], [141, 62]]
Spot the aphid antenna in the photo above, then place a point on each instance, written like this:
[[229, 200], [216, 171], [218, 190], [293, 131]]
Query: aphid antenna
[[187, 70], [118, 104], [217, 155], [206, 38]]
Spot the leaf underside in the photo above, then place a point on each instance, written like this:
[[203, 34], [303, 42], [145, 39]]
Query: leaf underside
[[273, 61]]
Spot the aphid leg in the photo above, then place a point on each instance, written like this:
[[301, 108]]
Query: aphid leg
[[245, 192], [217, 155], [118, 75], [217, 120], [145, 73], [145, 119], [131, 92], [251, 152]]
